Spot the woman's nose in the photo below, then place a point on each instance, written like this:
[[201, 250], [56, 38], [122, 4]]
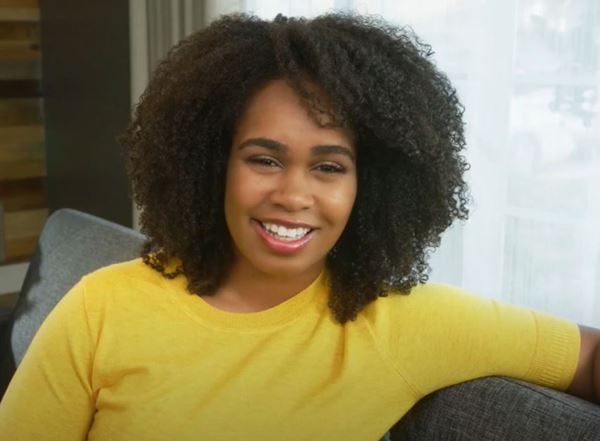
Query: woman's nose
[[293, 191]]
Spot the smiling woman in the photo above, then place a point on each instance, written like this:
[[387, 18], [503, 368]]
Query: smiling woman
[[292, 177], [357, 83]]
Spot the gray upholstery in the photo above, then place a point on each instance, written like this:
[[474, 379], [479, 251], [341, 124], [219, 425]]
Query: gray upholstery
[[71, 245], [500, 409], [492, 409]]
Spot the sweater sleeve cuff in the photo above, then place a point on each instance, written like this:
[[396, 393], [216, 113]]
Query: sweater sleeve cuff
[[557, 352]]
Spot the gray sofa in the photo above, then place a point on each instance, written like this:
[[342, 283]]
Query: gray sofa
[[491, 409]]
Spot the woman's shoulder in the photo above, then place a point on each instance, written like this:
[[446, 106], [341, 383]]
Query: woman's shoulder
[[126, 281], [424, 303], [125, 300], [122, 271], [426, 295]]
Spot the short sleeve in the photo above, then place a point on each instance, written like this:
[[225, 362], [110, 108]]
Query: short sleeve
[[50, 395], [439, 336]]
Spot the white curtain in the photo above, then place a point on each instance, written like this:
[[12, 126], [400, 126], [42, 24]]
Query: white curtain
[[528, 74]]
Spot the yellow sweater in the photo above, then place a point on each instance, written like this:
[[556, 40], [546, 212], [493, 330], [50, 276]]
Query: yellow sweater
[[129, 355]]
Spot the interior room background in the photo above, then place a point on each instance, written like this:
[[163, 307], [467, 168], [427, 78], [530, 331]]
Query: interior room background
[[527, 72]]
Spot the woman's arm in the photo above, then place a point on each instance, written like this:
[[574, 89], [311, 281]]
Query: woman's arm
[[586, 382], [50, 395]]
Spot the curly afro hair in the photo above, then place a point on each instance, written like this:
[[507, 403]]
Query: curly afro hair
[[380, 82]]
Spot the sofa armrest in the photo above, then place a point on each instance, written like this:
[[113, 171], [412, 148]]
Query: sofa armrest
[[500, 409]]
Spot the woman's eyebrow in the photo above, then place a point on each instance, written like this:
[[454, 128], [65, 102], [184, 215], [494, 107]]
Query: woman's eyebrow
[[277, 146], [333, 148], [267, 143]]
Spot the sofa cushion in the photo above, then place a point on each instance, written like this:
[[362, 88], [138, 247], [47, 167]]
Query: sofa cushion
[[500, 409]]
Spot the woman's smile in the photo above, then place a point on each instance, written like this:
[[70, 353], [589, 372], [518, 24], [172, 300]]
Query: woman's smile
[[281, 239]]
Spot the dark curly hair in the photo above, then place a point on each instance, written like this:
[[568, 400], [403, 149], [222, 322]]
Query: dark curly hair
[[380, 82]]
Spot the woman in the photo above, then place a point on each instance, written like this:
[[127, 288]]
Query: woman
[[292, 176]]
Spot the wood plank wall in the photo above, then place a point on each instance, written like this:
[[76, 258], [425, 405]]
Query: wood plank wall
[[23, 184]]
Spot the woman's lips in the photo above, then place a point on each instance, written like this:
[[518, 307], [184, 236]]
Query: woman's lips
[[278, 245]]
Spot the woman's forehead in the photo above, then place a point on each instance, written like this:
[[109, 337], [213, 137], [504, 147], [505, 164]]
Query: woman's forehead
[[276, 109]]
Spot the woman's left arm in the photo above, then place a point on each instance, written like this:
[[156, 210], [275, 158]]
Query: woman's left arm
[[586, 382]]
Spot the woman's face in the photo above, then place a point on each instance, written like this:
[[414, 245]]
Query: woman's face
[[291, 185]]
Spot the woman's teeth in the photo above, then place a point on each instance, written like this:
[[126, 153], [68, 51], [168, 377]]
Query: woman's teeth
[[284, 233]]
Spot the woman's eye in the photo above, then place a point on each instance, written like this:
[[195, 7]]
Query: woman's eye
[[331, 168], [266, 162]]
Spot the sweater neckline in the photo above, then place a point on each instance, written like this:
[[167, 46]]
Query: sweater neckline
[[275, 316]]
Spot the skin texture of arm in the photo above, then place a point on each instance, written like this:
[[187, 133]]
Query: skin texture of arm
[[586, 382]]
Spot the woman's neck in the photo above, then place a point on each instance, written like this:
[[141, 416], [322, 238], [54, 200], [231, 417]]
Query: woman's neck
[[249, 290]]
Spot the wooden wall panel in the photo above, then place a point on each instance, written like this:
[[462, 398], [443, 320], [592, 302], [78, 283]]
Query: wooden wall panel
[[19, 40], [21, 143], [25, 223], [23, 188], [20, 89], [19, 14], [19, 250], [32, 134], [23, 170], [20, 70], [21, 231], [21, 152], [25, 194], [20, 31], [20, 112], [19, 3], [19, 50]]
